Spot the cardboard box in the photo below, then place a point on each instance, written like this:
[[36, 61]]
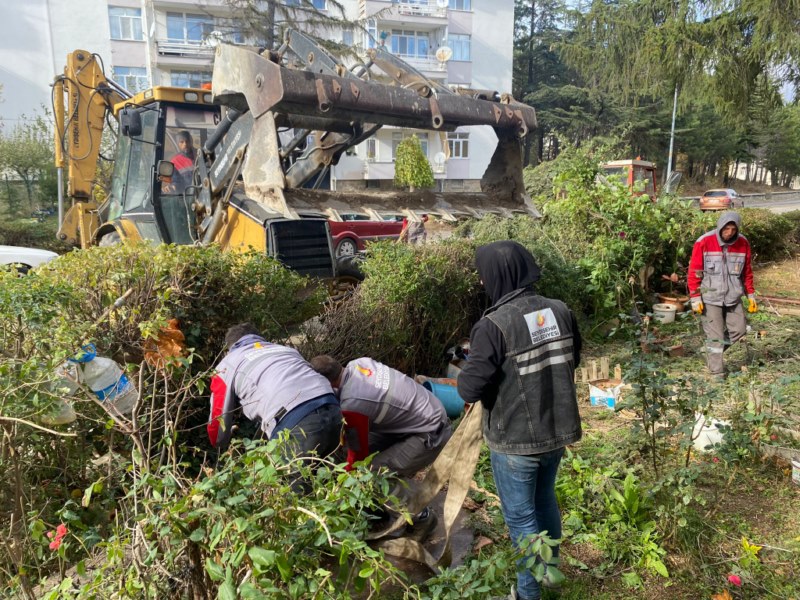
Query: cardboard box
[[605, 392]]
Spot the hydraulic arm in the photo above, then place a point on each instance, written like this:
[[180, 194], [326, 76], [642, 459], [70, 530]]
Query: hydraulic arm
[[82, 96]]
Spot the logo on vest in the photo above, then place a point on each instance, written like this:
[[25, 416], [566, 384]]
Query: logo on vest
[[363, 371], [542, 326]]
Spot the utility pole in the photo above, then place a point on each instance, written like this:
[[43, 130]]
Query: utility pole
[[672, 133]]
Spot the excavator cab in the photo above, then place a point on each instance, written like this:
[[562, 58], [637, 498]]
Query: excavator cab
[[143, 202]]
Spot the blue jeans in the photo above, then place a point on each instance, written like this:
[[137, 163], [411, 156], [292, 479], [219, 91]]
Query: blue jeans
[[526, 486]]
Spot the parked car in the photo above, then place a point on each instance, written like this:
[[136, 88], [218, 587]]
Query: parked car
[[350, 234], [721, 199], [24, 258]]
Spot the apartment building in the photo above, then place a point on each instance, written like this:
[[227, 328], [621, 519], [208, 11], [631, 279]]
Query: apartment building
[[170, 42]]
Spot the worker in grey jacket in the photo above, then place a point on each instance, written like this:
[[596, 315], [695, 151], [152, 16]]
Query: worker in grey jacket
[[274, 386], [408, 426]]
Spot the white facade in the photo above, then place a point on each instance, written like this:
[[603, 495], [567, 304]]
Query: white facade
[[164, 42]]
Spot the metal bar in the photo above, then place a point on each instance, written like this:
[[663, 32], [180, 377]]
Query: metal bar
[[270, 87]]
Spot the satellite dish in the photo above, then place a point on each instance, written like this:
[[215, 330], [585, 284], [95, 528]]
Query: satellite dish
[[439, 158], [442, 3], [213, 39], [443, 54]]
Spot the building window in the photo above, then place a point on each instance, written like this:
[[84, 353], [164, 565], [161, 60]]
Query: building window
[[347, 37], [318, 4], [460, 4], [460, 44], [190, 79], [125, 23], [399, 136], [372, 33], [230, 31], [188, 28], [414, 44], [133, 79], [459, 144], [372, 149]]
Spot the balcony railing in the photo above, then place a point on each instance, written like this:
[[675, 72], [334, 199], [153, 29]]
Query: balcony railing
[[432, 8], [184, 48], [423, 63]]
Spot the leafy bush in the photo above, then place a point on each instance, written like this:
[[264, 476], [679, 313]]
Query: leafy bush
[[244, 532], [794, 218], [415, 302], [411, 168], [33, 234], [769, 234], [47, 315], [206, 289]]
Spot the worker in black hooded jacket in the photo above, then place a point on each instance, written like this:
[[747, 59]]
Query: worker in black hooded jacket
[[523, 355]]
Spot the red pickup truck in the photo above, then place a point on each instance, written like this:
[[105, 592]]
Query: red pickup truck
[[350, 234]]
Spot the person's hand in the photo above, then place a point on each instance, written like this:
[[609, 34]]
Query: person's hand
[[697, 305], [752, 306]]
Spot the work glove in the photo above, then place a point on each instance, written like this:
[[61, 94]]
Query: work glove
[[752, 306], [697, 305]]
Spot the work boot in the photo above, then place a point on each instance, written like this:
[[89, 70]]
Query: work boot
[[422, 525]]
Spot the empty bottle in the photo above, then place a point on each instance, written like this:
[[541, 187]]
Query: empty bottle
[[107, 380], [65, 384]]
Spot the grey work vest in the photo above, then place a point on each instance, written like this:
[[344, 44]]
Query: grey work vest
[[394, 403], [270, 380], [536, 409]]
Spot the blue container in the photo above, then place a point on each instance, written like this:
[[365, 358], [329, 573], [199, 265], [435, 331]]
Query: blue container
[[445, 390]]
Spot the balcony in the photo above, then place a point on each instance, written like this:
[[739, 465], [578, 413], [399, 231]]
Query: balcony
[[424, 63], [188, 49], [431, 13], [435, 8]]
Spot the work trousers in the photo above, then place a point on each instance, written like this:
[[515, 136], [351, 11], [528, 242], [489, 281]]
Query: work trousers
[[407, 454], [723, 326], [526, 485]]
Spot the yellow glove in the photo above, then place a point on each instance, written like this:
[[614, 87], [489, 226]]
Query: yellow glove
[[753, 307], [697, 306]]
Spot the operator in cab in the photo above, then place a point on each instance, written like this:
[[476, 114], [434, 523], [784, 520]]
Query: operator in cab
[[184, 164]]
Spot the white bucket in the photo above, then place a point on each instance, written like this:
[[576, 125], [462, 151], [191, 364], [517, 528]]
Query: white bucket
[[796, 471], [665, 313]]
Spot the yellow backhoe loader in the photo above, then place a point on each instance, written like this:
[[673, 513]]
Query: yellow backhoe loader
[[259, 143]]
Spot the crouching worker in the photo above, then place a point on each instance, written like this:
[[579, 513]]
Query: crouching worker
[[274, 386], [408, 426]]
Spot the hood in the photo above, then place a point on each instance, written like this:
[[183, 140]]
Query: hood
[[725, 218], [505, 267]]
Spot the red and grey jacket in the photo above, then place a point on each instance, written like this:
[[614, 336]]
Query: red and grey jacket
[[720, 271], [265, 380]]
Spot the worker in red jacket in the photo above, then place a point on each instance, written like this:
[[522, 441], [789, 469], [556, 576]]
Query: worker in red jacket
[[720, 273]]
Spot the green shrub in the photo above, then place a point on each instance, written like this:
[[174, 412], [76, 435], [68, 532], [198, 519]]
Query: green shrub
[[411, 168], [206, 289], [415, 302], [33, 234], [794, 218], [769, 234], [46, 316]]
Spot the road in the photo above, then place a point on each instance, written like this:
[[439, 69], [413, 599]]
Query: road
[[776, 204]]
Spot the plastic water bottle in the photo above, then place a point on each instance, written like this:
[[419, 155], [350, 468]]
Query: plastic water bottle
[[65, 384], [107, 380]]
